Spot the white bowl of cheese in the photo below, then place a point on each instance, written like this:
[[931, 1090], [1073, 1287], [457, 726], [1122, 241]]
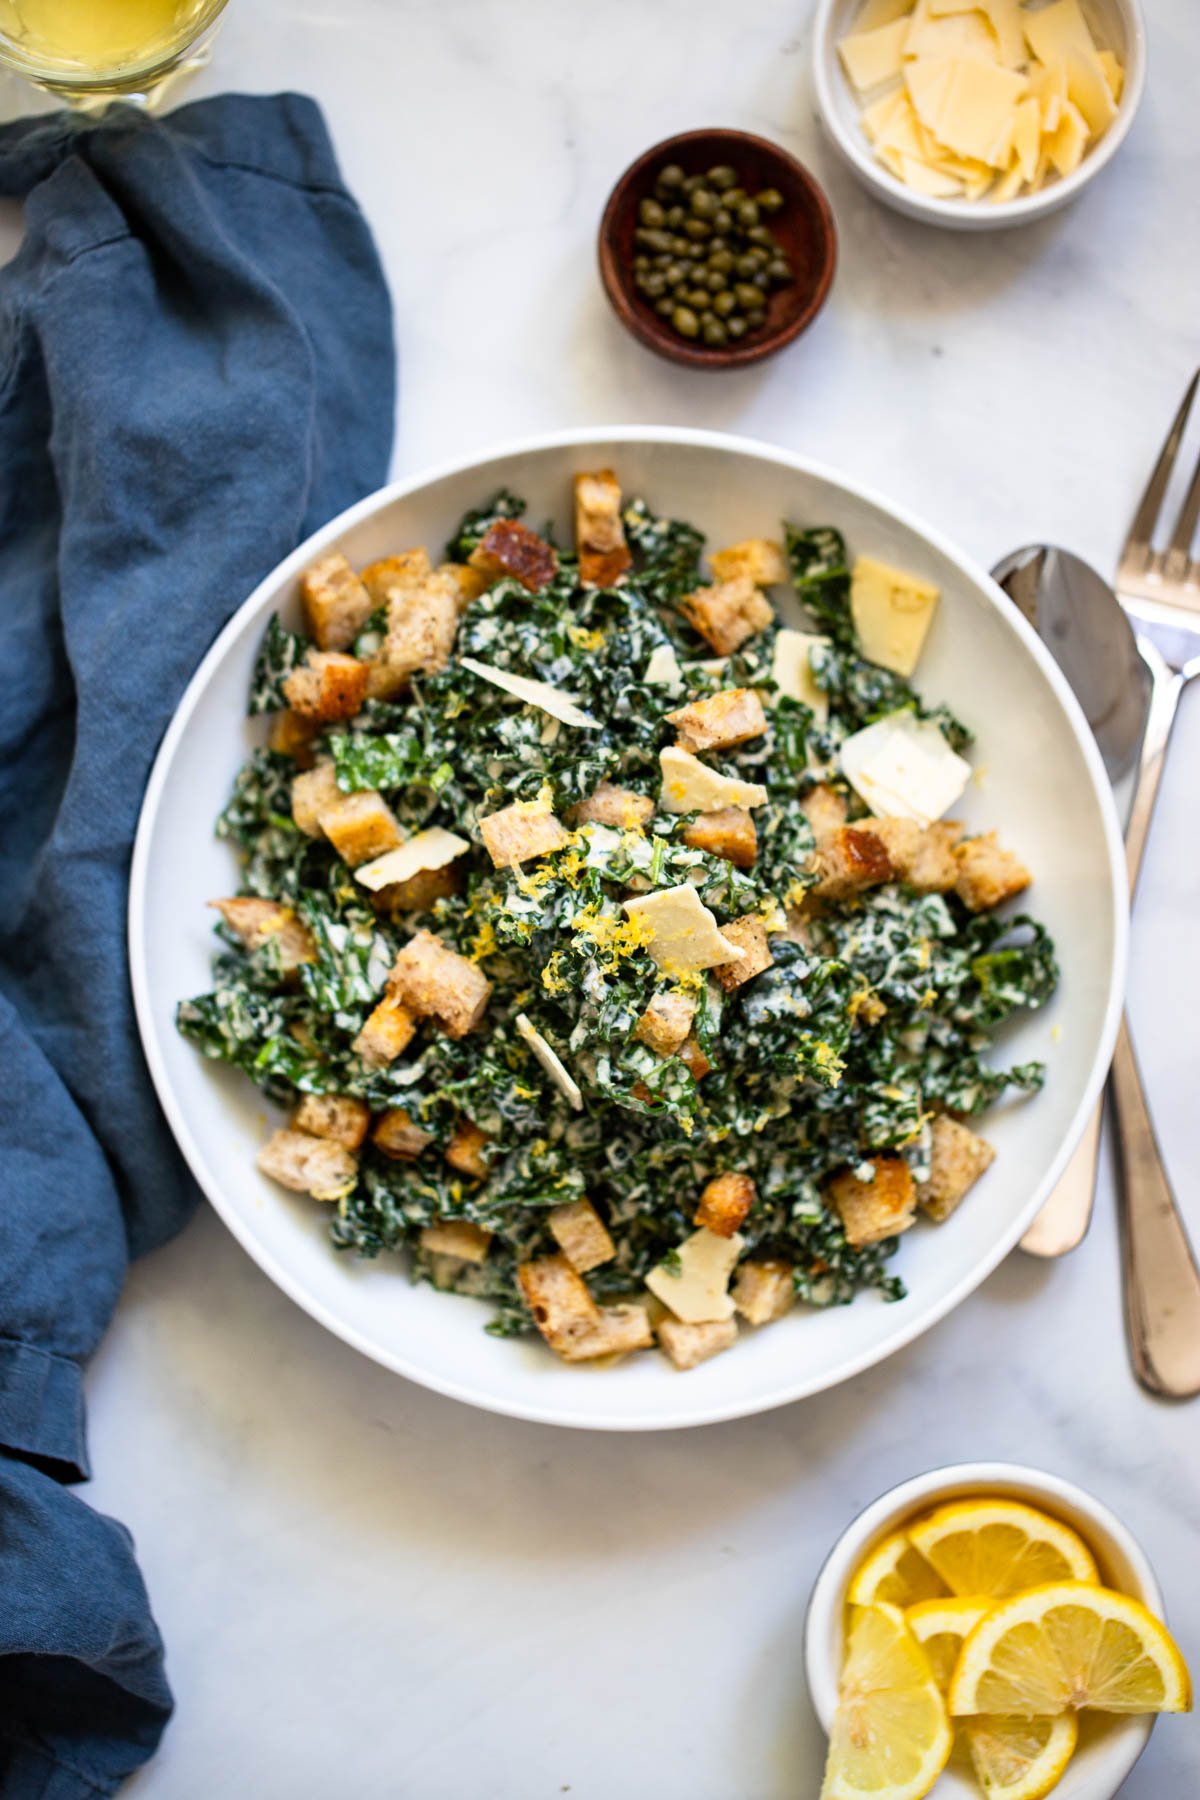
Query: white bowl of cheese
[[978, 116]]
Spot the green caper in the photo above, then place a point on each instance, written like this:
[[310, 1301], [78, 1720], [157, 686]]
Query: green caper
[[685, 322], [651, 213], [721, 260], [747, 294], [660, 260], [655, 284], [724, 303], [736, 328], [779, 269], [717, 243], [697, 229], [759, 256], [769, 201], [722, 178], [675, 273], [745, 266], [758, 234], [664, 307], [747, 215], [715, 281], [697, 297], [715, 333], [723, 219], [670, 177], [641, 262], [692, 182], [675, 216], [704, 203], [762, 280], [755, 319], [653, 240], [733, 195]]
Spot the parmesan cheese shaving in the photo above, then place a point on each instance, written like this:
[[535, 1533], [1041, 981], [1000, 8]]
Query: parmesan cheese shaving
[[431, 849], [541, 694], [689, 785], [550, 1061], [681, 932]]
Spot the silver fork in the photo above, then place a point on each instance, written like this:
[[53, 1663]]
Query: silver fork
[[1160, 591]]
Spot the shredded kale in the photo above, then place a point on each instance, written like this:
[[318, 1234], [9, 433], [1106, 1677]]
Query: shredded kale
[[279, 653]]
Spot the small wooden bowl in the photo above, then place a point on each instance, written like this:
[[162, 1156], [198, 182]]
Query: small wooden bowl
[[804, 227]]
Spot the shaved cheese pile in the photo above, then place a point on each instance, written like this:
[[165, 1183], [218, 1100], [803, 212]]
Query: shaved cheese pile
[[972, 98], [550, 1060]]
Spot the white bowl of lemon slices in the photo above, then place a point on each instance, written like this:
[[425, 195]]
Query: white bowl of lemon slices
[[988, 1629]]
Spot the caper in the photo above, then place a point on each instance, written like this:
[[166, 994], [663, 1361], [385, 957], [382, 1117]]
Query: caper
[[664, 307], [651, 213], [704, 203], [722, 178], [697, 228], [736, 328], [692, 182], [724, 303], [755, 319], [745, 266], [715, 281], [675, 273], [654, 284], [685, 322], [769, 201], [697, 297], [717, 243], [759, 257], [733, 195], [675, 216], [723, 219], [641, 262], [758, 234], [653, 240], [670, 177], [779, 269], [721, 260], [747, 294], [747, 215], [715, 332], [762, 280], [661, 259]]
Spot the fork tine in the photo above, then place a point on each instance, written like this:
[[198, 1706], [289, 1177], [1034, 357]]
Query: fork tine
[[1142, 529], [1185, 528]]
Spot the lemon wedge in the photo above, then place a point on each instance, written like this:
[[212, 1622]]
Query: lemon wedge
[[1000, 1547], [890, 1737], [1067, 1646], [1021, 1759], [894, 1574], [941, 1627]]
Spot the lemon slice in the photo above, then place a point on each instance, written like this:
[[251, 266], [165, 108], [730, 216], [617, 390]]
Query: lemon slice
[[894, 1574], [941, 1627], [1000, 1547], [890, 1737], [1021, 1759], [1067, 1646]]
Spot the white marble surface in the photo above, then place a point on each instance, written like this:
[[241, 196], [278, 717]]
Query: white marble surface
[[369, 1590]]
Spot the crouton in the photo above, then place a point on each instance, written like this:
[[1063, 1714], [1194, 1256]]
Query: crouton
[[519, 832], [691, 1053], [328, 686], [465, 1150], [419, 892], [825, 809], [849, 860], [611, 805], [749, 933], [255, 921], [435, 982], [877, 1209], [959, 1158], [558, 1298], [382, 578], [388, 1031], [921, 856], [762, 560], [312, 792], [666, 1022], [510, 548], [422, 626], [988, 874], [729, 832], [397, 1134], [290, 735], [688, 1345], [763, 1291], [360, 826], [581, 1235], [619, 1330], [727, 613], [724, 1203], [335, 603], [308, 1165], [334, 1116], [719, 721], [469, 582], [456, 1237], [599, 534]]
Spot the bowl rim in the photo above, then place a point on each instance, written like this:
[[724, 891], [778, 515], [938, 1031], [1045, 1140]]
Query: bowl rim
[[656, 337], [936, 1486], [979, 214], [672, 1417]]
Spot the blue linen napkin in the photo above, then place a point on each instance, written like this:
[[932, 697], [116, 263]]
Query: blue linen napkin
[[196, 370]]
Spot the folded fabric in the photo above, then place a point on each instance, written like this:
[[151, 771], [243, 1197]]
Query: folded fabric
[[196, 370]]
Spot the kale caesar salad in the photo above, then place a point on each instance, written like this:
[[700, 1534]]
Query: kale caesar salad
[[606, 938]]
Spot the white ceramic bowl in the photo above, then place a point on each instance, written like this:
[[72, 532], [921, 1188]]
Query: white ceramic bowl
[[1117, 25], [1042, 786], [1108, 1748]]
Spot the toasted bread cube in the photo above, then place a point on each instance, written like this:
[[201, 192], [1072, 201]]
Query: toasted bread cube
[[510, 548], [922, 857], [328, 686], [761, 559], [335, 603], [361, 826], [959, 1158], [764, 1291], [619, 1330], [435, 982], [719, 721], [825, 809], [616, 806], [873, 1210], [691, 1053], [419, 892], [850, 860], [727, 613], [562, 1307], [724, 1203], [666, 1022], [308, 1165], [729, 832], [408, 569], [688, 1345], [254, 921], [749, 933], [581, 1235], [335, 1116], [457, 1237], [290, 735], [519, 832], [398, 1135], [469, 582], [422, 626], [988, 874], [387, 1032], [599, 533], [465, 1151], [312, 792]]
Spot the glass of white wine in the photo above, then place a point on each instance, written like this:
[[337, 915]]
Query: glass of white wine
[[88, 52]]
